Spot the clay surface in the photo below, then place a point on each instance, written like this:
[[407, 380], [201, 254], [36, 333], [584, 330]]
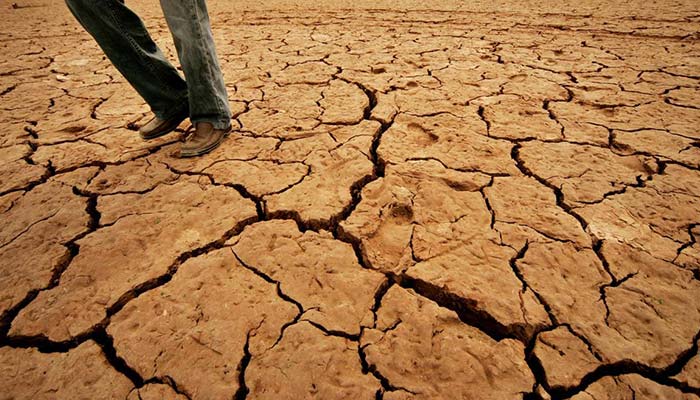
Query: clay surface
[[82, 373], [419, 200]]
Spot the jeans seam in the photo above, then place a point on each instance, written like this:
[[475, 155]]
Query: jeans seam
[[134, 45], [210, 74]]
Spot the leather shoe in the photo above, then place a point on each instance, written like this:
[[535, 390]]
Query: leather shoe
[[203, 140], [157, 127]]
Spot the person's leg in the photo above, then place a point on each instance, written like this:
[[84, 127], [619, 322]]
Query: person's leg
[[188, 21], [124, 39]]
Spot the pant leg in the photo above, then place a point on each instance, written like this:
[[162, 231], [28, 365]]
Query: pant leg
[[188, 21], [124, 39]]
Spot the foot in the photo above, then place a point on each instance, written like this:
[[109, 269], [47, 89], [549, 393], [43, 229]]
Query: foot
[[157, 127], [203, 140]]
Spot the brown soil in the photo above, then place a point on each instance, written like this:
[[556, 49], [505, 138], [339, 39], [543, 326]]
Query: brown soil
[[489, 200]]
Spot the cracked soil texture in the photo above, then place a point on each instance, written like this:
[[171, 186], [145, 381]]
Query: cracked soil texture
[[421, 200]]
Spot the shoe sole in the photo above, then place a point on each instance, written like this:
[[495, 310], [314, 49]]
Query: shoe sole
[[208, 149], [164, 131]]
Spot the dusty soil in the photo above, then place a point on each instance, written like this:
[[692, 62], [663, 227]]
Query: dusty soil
[[489, 200]]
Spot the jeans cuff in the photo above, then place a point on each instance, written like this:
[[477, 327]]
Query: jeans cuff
[[180, 107], [218, 123]]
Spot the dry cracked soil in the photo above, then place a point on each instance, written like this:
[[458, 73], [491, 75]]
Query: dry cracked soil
[[422, 200]]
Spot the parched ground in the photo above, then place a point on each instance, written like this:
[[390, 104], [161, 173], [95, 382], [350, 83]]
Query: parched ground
[[487, 200]]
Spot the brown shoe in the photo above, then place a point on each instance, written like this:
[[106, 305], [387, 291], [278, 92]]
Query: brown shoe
[[157, 127], [203, 140]]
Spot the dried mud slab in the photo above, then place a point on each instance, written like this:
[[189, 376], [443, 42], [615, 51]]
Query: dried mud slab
[[531, 85], [69, 120], [315, 270], [7, 202], [684, 96], [576, 131], [155, 391], [197, 328], [81, 373], [112, 264], [124, 101], [534, 208], [637, 116], [655, 306], [459, 143], [289, 107], [343, 103], [434, 225], [307, 363], [16, 172], [515, 118], [15, 133], [306, 73], [630, 386], [22, 102], [247, 162], [267, 122], [138, 176], [566, 358], [647, 314], [585, 174], [34, 237], [608, 98], [420, 97], [108, 146], [659, 143], [427, 352], [653, 218], [490, 290], [690, 375], [326, 191], [260, 178]]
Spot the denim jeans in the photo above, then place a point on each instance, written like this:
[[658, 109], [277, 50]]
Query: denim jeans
[[124, 39]]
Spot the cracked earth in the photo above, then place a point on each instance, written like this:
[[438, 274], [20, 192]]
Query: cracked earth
[[480, 201]]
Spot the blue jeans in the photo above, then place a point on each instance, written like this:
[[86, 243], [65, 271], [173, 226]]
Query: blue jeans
[[124, 39]]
